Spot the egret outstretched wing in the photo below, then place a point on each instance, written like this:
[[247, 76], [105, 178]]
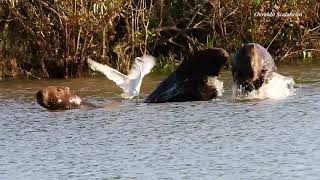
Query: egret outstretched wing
[[131, 83], [109, 72]]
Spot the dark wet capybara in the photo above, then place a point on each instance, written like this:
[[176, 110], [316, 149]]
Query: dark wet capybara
[[60, 98], [194, 80], [252, 66]]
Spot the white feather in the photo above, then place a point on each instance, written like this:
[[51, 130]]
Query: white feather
[[131, 83]]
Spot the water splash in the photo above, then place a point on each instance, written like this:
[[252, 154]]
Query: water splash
[[278, 87], [76, 100], [214, 81]]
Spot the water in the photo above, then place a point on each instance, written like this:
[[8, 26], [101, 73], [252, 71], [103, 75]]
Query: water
[[222, 139], [277, 87]]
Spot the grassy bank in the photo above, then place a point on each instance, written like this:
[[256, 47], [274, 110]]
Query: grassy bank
[[54, 38]]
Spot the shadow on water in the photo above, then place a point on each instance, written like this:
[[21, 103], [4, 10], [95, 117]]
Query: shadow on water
[[224, 138]]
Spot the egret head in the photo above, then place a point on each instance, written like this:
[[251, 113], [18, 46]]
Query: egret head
[[138, 59]]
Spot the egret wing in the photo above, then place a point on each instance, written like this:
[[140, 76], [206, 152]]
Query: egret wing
[[142, 66], [130, 84], [112, 74]]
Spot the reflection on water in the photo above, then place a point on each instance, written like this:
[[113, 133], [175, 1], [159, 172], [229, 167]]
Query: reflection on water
[[221, 139]]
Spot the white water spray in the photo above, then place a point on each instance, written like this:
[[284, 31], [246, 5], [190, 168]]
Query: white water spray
[[278, 87]]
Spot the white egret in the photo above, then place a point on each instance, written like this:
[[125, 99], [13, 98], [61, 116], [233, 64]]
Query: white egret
[[131, 83]]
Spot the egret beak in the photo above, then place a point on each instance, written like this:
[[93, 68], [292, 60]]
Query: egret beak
[[138, 59]]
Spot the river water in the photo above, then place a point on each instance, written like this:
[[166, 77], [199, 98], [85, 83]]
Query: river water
[[221, 139]]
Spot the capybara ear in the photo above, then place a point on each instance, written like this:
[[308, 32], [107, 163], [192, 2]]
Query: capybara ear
[[60, 89]]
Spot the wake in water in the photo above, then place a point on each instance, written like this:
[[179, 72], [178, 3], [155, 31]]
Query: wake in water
[[278, 87]]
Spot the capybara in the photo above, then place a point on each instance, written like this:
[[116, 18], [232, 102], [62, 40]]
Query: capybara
[[194, 80], [252, 66], [60, 98]]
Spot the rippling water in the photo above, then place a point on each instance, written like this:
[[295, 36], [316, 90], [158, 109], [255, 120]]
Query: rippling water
[[221, 139]]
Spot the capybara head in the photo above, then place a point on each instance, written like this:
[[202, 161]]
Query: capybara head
[[206, 62], [194, 80], [246, 66], [57, 98], [247, 63]]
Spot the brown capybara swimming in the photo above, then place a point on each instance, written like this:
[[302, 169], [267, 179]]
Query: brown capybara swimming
[[194, 80], [60, 98], [252, 66]]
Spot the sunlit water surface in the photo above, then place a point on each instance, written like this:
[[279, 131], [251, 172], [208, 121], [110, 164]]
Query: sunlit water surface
[[221, 139]]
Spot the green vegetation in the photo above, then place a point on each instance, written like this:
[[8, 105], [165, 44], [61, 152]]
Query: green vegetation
[[53, 38]]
